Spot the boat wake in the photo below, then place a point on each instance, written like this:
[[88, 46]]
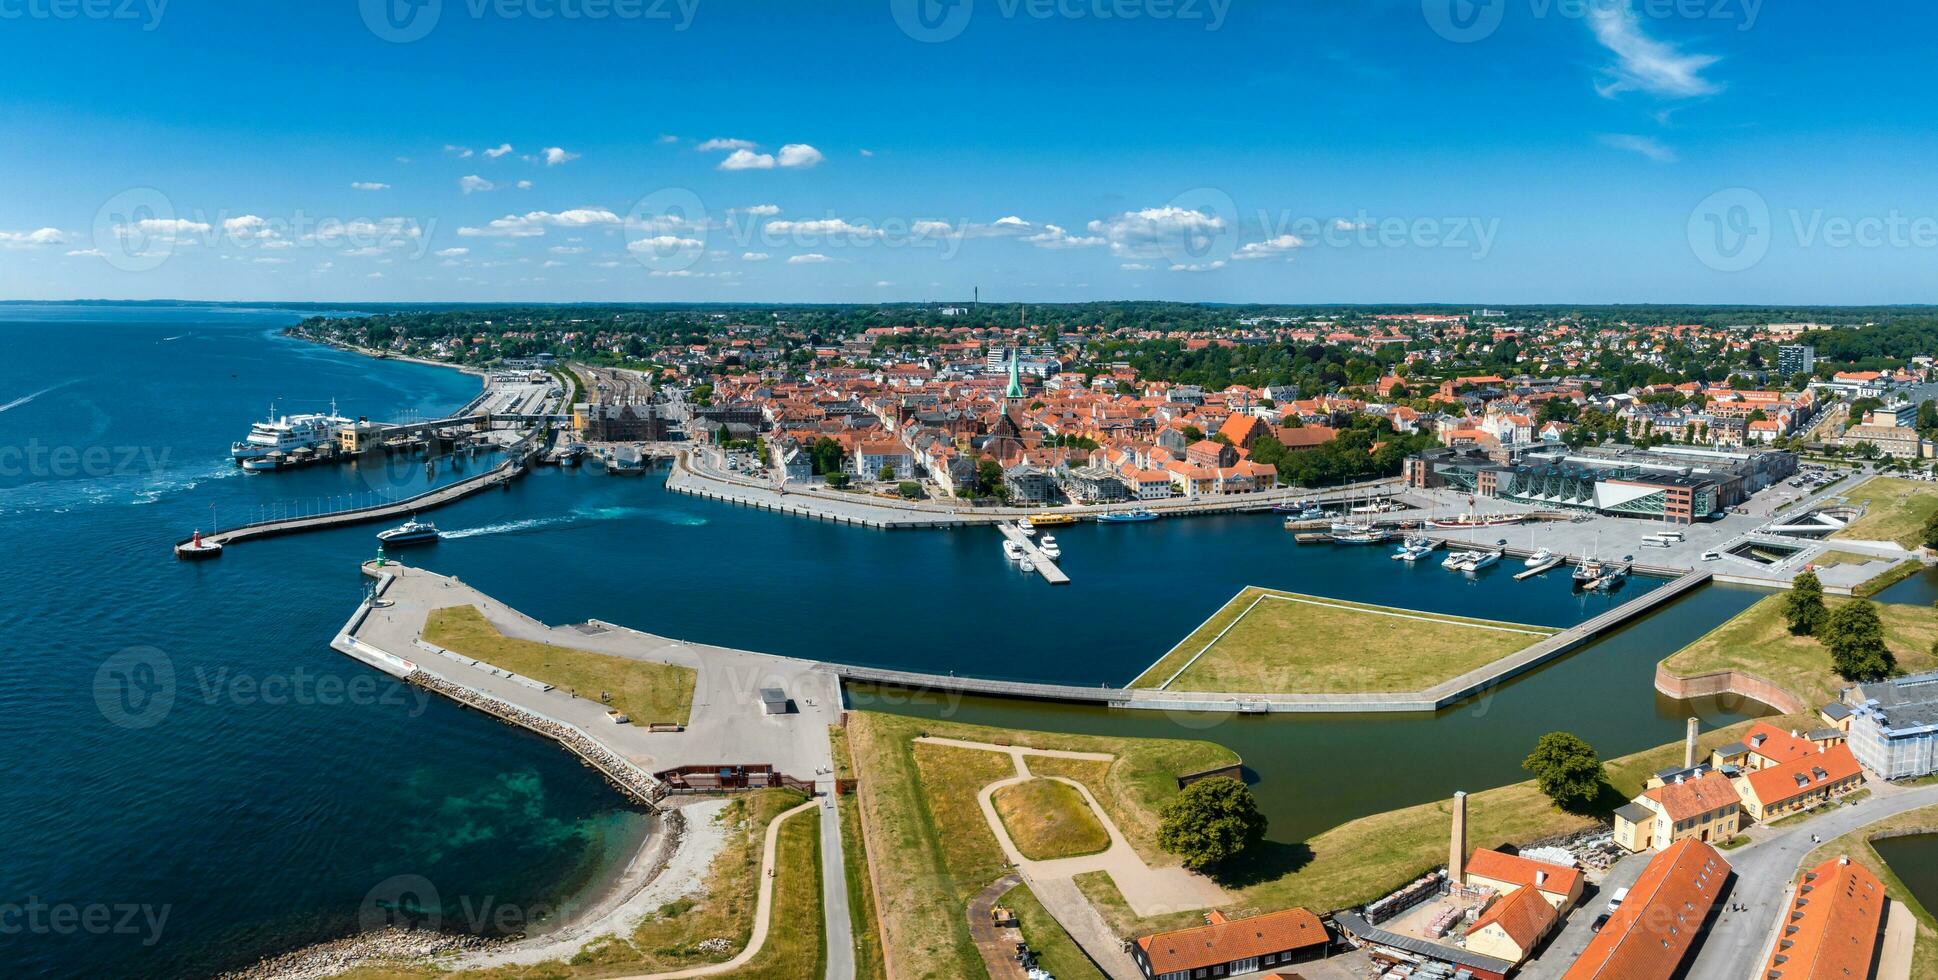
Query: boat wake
[[578, 518], [28, 399], [64, 496]]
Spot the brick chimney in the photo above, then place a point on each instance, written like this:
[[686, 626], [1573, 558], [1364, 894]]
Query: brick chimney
[[1689, 746], [1457, 847]]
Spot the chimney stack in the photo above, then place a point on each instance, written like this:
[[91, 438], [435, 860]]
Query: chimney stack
[[1689, 747], [1457, 848]]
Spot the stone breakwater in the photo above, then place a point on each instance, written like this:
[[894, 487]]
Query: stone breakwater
[[342, 955], [622, 773]]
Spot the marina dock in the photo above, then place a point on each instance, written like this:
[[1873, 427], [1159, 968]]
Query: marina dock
[[1044, 566]]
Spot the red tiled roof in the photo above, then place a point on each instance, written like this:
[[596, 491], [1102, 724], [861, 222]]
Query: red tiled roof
[[1520, 871], [1648, 936], [1236, 939], [1524, 915], [1830, 930], [1695, 797]]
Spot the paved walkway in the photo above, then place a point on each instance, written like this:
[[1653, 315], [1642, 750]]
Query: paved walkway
[[839, 924], [1900, 934], [995, 945], [1149, 891]]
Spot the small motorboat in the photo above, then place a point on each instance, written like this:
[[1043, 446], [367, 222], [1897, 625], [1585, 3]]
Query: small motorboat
[[1455, 559], [1013, 551], [1049, 547], [1539, 557], [1028, 529], [1480, 560], [412, 531], [196, 549], [1026, 565]]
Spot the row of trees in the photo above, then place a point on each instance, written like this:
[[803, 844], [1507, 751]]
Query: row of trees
[[1852, 632]]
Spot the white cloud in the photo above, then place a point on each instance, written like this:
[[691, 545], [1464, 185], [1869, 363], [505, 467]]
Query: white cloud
[[1136, 267], [668, 139], [267, 260], [1056, 236], [567, 250], [533, 223], [799, 155], [94, 253], [664, 244], [473, 182], [1267, 249], [452, 253], [720, 143], [500, 150], [368, 185], [822, 228], [882, 284], [1198, 266], [868, 153], [1151, 232], [524, 185], [1648, 146], [461, 152], [39, 236], [1642, 63], [555, 156], [930, 228], [747, 160], [811, 258], [1341, 224], [761, 210], [754, 256], [247, 227]]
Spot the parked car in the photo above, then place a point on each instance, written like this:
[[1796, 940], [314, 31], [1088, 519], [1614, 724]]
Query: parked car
[[1712, 556]]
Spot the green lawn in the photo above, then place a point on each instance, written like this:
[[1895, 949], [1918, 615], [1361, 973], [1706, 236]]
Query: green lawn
[[1831, 558], [1048, 819], [869, 964], [1896, 510], [933, 850], [1857, 846], [648, 693], [1287, 643], [1056, 952], [1757, 641]]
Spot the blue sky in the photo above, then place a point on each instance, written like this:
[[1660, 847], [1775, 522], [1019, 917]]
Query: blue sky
[[1505, 151]]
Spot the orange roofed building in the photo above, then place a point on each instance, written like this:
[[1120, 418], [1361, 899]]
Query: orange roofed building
[[1227, 947], [1830, 927], [1653, 930]]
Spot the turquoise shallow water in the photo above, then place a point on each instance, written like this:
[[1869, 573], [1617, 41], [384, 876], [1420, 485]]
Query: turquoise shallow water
[[284, 793]]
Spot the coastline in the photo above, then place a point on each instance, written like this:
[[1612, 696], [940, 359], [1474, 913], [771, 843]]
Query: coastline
[[377, 355]]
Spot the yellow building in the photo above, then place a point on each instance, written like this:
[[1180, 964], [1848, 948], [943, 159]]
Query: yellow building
[[1512, 927], [1705, 807]]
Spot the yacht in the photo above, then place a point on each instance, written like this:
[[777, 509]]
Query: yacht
[[1540, 556], [1456, 559], [412, 531], [1049, 547], [1362, 534], [1028, 529], [288, 433], [1127, 516], [1013, 551], [1480, 560], [1415, 548]]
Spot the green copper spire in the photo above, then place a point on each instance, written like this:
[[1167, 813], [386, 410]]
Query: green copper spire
[[1015, 374]]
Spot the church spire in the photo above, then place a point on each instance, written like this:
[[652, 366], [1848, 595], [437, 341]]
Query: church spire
[[1015, 393]]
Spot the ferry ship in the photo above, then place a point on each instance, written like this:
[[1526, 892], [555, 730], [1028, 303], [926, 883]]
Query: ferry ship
[[1051, 520], [412, 531], [1127, 517], [288, 433]]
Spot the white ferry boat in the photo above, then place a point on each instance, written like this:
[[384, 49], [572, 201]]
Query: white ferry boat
[[288, 433], [412, 531]]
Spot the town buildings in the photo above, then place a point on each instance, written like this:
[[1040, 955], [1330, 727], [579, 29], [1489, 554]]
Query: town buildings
[[1671, 483], [1704, 806], [1829, 928], [1229, 947], [1666, 909], [1769, 774], [1894, 725]]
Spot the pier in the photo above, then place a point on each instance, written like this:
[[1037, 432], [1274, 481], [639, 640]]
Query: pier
[[1038, 560], [501, 475]]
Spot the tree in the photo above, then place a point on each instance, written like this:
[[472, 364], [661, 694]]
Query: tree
[[1213, 820], [1855, 638], [887, 473], [1930, 536], [1803, 606], [1567, 770]]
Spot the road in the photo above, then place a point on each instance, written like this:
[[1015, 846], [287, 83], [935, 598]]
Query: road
[[840, 939]]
